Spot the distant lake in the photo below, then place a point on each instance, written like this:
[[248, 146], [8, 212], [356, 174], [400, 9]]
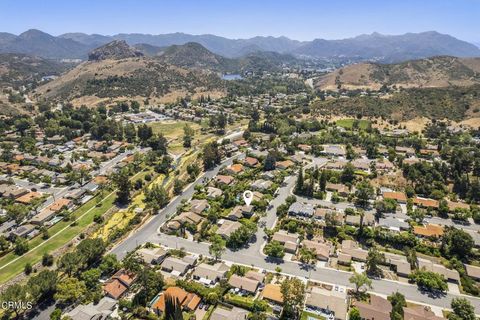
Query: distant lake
[[229, 77]]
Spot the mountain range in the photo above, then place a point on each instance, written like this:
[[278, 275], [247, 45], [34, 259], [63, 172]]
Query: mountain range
[[375, 46]]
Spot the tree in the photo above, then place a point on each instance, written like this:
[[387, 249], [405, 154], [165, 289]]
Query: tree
[[177, 186], [173, 308], [299, 185], [364, 193], [15, 293], [462, 310], [43, 285], [91, 277], [360, 280], [122, 182], [307, 255], [47, 260], [70, 290], [274, 249], [188, 136], [91, 250], [354, 314], [323, 180], [217, 246], [428, 280], [398, 302], [70, 263], [457, 242], [21, 246], [293, 292], [156, 197], [150, 283], [211, 155], [109, 264], [28, 268], [269, 163], [374, 259], [348, 173]]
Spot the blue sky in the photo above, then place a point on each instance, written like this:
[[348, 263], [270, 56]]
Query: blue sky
[[296, 19]]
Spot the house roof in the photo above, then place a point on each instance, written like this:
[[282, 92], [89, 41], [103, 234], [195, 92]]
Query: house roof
[[114, 288], [249, 161], [429, 230], [228, 227], [472, 271], [211, 272], [438, 268], [254, 275], [224, 179], [126, 277], [175, 264], [235, 168], [29, 197], [221, 313], [419, 313], [425, 202], [378, 308], [284, 164], [283, 236], [398, 196], [243, 283], [331, 300], [322, 249], [175, 293], [273, 292]]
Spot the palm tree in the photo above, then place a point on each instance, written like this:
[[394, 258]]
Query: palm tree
[[173, 309]]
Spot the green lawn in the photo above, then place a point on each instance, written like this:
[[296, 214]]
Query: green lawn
[[55, 241], [348, 123], [308, 315], [172, 129]]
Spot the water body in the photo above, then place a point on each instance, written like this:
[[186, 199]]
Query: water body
[[230, 77]]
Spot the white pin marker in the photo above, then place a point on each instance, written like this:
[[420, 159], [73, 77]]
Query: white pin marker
[[248, 197]]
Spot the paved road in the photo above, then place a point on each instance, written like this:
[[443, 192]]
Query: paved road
[[149, 229]]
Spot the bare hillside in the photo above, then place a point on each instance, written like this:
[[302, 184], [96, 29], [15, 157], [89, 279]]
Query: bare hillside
[[434, 72]]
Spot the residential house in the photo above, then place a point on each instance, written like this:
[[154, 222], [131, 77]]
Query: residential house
[[199, 206], [429, 230], [334, 150], [322, 249], [301, 209], [378, 309], [288, 240], [152, 255], [234, 169], [283, 165], [273, 293], [368, 219], [227, 227], [244, 284], [239, 212], [393, 224], [341, 189], [213, 192], [473, 271], [449, 274], [118, 284], [425, 202], [251, 162], [235, 313], [94, 311], [330, 302], [261, 185], [419, 313], [351, 248], [224, 180], [188, 301], [175, 266], [400, 197], [210, 274], [399, 263]]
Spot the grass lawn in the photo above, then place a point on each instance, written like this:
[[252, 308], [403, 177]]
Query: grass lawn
[[308, 315], [348, 123], [172, 129], [56, 241]]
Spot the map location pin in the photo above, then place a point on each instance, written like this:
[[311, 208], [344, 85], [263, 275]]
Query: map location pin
[[248, 197]]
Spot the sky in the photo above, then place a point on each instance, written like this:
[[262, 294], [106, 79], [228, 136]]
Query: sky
[[296, 19]]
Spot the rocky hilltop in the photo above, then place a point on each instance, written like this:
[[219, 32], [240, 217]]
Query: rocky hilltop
[[117, 49]]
